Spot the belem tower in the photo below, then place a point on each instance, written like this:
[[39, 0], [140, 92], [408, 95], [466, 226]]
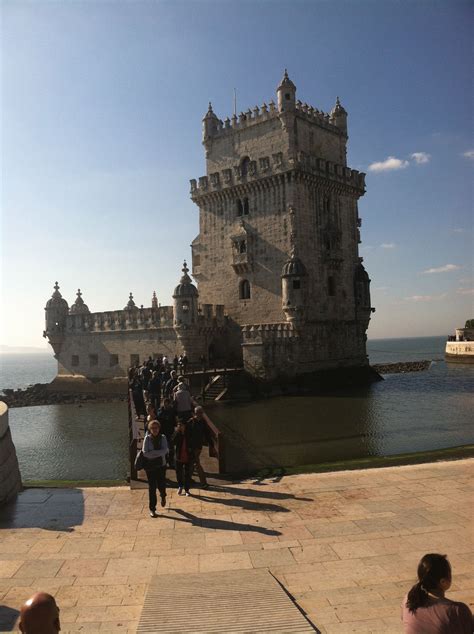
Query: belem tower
[[279, 287]]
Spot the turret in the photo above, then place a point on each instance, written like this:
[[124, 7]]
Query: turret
[[209, 125], [154, 300], [293, 287], [131, 304], [338, 116], [79, 307], [185, 298], [56, 310], [286, 93]]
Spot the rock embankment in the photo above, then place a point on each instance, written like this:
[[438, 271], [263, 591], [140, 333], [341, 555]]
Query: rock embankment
[[405, 366], [39, 394]]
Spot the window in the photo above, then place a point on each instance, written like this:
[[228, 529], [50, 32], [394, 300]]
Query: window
[[75, 360], [296, 284], [185, 306], [93, 360], [244, 289], [244, 166], [243, 207], [114, 360], [331, 286], [287, 96], [243, 246], [134, 359]]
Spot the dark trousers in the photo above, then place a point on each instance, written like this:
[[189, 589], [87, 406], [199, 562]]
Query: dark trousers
[[183, 474], [198, 466], [169, 438], [156, 480]]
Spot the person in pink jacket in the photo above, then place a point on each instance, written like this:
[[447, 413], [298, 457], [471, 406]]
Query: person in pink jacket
[[426, 610]]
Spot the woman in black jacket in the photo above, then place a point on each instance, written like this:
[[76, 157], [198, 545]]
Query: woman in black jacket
[[155, 448]]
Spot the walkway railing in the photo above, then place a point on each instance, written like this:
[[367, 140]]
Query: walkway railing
[[133, 435]]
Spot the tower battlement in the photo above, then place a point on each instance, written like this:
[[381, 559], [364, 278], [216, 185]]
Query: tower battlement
[[268, 166]]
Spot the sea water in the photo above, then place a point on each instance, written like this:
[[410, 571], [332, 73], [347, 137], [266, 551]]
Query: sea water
[[406, 412]]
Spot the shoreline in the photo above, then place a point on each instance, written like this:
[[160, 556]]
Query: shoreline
[[43, 394], [450, 454]]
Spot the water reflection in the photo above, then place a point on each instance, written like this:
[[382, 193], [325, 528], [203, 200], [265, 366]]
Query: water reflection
[[68, 442], [407, 412]]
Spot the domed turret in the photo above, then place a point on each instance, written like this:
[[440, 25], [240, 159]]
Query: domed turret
[[185, 300], [361, 287], [209, 124], [338, 116], [57, 310], [286, 93], [79, 307], [131, 304], [293, 285]]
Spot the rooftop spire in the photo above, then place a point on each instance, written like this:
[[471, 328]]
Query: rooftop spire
[[185, 279], [130, 304], [154, 300]]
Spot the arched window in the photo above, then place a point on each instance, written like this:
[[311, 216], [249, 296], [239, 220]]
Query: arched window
[[246, 206], [240, 209], [244, 166], [244, 289]]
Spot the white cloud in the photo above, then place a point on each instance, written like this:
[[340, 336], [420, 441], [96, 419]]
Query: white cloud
[[390, 163], [425, 298], [443, 269], [421, 157], [458, 230], [465, 291], [388, 245], [469, 154]]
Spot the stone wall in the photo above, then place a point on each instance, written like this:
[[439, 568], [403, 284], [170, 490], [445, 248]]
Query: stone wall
[[10, 478]]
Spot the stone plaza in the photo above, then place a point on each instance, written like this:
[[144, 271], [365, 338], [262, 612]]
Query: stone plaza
[[345, 545]]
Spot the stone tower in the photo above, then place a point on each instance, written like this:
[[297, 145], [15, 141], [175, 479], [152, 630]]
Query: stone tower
[[279, 233]]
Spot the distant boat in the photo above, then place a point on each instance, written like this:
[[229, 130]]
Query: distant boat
[[460, 347]]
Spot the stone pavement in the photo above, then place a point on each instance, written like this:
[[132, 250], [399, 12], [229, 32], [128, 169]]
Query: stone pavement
[[345, 545]]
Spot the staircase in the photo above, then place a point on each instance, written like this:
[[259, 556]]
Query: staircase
[[216, 388]]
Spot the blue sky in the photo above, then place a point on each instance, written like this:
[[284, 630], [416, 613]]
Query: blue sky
[[101, 131]]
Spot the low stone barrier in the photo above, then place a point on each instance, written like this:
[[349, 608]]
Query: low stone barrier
[[42, 394], [10, 478], [405, 366]]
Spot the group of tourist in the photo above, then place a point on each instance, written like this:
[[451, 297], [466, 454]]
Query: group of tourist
[[175, 429], [425, 609]]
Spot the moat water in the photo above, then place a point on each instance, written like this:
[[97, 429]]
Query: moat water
[[406, 412]]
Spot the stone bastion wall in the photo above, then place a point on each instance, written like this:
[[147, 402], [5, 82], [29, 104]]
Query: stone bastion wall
[[10, 478]]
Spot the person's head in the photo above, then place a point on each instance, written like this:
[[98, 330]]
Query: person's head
[[173, 374], [154, 427], [181, 426], [434, 576], [150, 408], [180, 379], [166, 403], [198, 412], [40, 615]]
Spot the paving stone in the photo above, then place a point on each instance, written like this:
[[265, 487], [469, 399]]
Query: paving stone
[[345, 544]]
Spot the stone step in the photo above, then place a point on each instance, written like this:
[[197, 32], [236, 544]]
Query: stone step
[[235, 601]]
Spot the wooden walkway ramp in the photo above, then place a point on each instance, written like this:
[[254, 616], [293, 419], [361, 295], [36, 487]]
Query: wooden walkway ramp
[[236, 601]]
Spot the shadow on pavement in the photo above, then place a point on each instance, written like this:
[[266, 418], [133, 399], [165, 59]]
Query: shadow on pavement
[[50, 509], [8, 618], [222, 524]]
